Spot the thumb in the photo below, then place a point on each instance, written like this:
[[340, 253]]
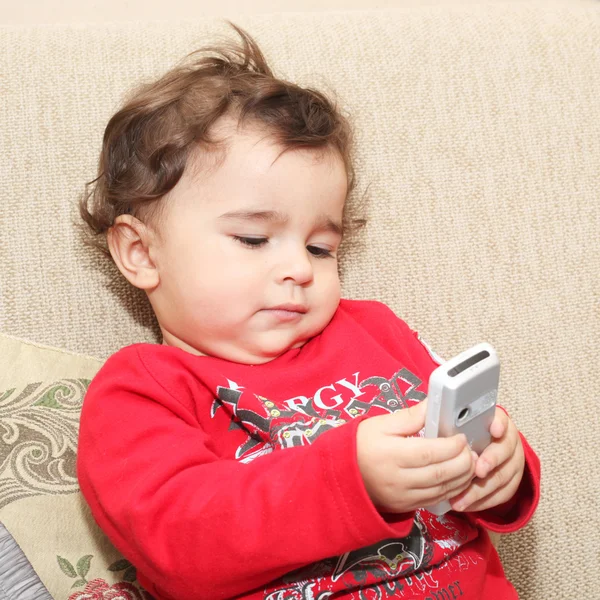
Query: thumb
[[499, 424], [411, 420]]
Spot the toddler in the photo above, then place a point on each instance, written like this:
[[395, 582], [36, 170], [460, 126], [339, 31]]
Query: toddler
[[269, 447]]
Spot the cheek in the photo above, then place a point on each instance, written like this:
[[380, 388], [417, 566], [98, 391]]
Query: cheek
[[335, 294], [223, 275], [329, 287]]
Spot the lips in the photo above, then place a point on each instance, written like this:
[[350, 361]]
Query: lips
[[293, 308], [286, 313]]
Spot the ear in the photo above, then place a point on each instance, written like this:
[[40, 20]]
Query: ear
[[130, 243]]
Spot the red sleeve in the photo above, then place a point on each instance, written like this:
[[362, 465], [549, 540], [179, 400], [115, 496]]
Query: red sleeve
[[196, 525], [517, 512]]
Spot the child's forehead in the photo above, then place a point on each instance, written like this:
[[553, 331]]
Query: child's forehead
[[249, 142], [248, 169], [247, 176], [259, 161], [252, 166]]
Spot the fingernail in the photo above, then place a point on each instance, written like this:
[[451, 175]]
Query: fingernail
[[474, 455], [460, 506]]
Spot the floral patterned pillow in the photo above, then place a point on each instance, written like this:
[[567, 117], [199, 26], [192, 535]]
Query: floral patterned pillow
[[41, 393]]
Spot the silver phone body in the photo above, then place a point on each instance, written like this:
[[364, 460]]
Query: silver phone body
[[462, 399]]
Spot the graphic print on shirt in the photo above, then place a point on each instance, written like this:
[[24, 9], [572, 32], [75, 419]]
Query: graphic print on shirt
[[287, 426], [393, 568], [396, 564]]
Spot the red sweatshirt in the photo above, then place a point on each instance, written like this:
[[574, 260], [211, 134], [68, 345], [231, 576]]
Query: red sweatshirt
[[180, 458]]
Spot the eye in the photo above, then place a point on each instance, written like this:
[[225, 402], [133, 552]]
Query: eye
[[251, 242], [319, 252]]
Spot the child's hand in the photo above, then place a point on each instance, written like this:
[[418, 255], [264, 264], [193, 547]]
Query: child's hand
[[402, 473], [499, 469]]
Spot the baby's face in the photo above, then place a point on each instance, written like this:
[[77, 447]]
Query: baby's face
[[247, 255]]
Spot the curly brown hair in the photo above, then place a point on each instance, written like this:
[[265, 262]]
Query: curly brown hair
[[148, 141]]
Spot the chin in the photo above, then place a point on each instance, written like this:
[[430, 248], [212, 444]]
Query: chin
[[276, 348]]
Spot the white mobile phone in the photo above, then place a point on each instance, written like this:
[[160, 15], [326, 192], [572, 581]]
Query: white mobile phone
[[462, 399]]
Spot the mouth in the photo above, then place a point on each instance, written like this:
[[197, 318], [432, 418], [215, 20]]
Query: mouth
[[293, 308], [286, 312]]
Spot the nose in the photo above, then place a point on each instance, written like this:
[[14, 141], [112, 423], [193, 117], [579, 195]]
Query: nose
[[294, 264]]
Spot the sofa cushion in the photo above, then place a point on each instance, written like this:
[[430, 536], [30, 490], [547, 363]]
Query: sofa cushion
[[41, 393]]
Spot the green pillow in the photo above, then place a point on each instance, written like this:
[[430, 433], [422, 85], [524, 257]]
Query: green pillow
[[41, 393]]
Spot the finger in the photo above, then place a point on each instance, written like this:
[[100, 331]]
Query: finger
[[449, 489], [494, 458], [463, 502], [421, 452], [497, 497], [407, 421], [499, 424], [442, 474], [496, 454], [481, 488]]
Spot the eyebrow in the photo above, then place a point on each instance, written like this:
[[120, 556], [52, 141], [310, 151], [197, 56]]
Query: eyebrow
[[324, 222]]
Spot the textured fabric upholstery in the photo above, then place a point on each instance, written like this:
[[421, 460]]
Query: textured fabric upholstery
[[478, 149]]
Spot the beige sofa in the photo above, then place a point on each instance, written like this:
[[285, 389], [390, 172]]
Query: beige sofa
[[478, 132]]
